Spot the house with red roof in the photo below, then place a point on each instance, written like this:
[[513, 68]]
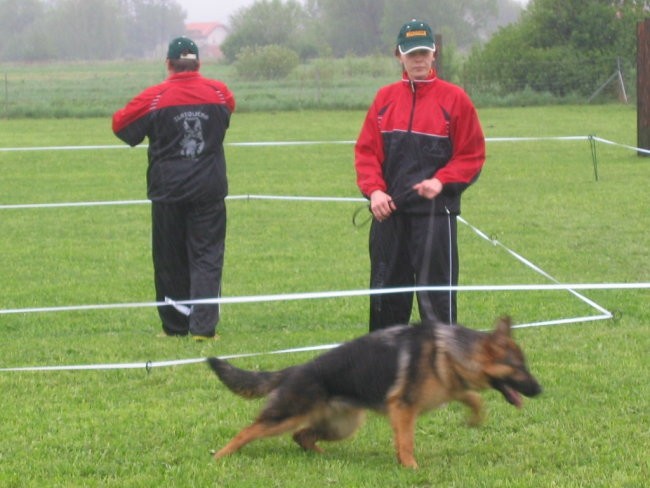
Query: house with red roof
[[208, 36]]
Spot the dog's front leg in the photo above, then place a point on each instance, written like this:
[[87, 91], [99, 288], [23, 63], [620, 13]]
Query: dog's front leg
[[474, 401], [402, 419]]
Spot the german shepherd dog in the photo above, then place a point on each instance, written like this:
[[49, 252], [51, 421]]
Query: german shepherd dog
[[400, 371]]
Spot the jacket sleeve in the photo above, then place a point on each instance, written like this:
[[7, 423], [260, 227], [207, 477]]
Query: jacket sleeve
[[131, 122], [228, 99], [369, 154], [468, 144]]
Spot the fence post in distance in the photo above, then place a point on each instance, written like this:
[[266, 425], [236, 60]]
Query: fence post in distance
[[643, 86]]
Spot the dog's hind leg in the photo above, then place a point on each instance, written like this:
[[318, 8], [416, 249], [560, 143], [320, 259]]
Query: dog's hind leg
[[258, 430], [335, 424], [307, 438], [402, 419]]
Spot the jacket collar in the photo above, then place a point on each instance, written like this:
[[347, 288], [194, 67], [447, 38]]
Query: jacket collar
[[184, 75], [433, 76]]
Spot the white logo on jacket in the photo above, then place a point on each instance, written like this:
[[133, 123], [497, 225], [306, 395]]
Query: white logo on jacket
[[192, 144]]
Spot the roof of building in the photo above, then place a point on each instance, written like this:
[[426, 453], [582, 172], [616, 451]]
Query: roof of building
[[204, 29]]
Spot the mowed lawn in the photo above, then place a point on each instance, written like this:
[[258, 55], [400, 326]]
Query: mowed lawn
[[537, 200]]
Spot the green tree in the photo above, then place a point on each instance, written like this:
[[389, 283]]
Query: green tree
[[18, 15], [268, 62], [149, 25], [19, 32], [86, 29], [559, 46], [352, 26], [460, 22], [508, 12], [357, 27], [266, 22]]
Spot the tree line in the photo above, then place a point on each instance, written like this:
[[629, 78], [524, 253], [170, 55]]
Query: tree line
[[44, 30], [317, 28], [560, 47], [554, 46], [38, 30]]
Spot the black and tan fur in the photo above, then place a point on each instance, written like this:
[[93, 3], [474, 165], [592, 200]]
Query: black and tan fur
[[401, 372]]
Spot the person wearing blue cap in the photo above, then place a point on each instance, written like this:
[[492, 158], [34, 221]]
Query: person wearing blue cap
[[420, 146], [185, 119]]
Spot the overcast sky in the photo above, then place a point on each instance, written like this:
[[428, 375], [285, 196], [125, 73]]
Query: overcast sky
[[206, 10]]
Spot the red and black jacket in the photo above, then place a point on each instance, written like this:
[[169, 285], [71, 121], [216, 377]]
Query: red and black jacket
[[414, 131], [185, 119]]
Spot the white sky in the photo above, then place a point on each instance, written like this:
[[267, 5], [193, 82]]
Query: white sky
[[221, 10], [208, 11]]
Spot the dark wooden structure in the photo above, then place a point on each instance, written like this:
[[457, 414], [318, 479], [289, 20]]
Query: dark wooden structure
[[643, 86]]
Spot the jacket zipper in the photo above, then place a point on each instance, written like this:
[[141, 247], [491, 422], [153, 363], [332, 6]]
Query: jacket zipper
[[412, 106]]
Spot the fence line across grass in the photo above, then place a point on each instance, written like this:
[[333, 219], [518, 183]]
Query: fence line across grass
[[570, 287], [311, 143], [591, 139], [148, 365], [602, 314]]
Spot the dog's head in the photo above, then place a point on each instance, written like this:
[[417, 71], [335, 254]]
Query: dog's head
[[506, 365]]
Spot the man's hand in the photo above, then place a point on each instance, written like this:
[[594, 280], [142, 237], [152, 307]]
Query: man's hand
[[428, 188], [381, 205]]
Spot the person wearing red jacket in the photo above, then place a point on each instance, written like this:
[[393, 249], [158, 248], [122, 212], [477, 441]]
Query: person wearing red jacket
[[420, 146], [185, 119]]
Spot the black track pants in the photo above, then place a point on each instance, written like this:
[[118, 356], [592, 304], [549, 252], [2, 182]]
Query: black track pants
[[408, 250], [188, 243]]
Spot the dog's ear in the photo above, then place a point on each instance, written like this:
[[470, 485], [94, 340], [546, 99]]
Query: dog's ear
[[503, 326], [497, 343]]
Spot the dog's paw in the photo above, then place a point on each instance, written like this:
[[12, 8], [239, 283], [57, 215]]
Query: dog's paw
[[475, 420], [217, 454], [410, 463]]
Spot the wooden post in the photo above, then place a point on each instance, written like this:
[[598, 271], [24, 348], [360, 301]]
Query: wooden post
[[643, 86], [437, 63]]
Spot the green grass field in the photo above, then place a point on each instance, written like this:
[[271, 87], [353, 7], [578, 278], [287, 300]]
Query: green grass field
[[95, 89], [156, 427]]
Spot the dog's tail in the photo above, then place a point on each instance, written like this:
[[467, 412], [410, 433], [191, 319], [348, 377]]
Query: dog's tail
[[249, 384]]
